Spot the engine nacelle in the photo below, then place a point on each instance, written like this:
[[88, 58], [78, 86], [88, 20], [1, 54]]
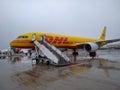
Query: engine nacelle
[[90, 47]]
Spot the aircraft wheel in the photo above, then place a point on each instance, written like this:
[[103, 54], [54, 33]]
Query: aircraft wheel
[[75, 53], [92, 54]]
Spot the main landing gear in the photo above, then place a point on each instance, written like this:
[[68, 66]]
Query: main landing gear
[[92, 54]]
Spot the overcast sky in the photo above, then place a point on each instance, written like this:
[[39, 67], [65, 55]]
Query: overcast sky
[[72, 17]]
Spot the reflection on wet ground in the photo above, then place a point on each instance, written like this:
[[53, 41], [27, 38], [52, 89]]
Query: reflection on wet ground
[[19, 73]]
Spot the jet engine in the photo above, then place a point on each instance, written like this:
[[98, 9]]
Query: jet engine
[[91, 47]]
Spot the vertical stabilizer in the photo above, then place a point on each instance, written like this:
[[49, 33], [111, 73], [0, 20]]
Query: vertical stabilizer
[[103, 34]]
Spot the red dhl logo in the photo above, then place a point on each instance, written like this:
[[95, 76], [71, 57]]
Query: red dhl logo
[[58, 40]]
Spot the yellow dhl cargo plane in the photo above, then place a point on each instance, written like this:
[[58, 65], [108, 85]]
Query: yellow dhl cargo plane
[[63, 41]]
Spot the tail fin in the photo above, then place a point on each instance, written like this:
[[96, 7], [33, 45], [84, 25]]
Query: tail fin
[[103, 34]]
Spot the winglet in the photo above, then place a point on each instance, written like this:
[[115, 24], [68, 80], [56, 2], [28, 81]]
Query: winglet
[[103, 34]]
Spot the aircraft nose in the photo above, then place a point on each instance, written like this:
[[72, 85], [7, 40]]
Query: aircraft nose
[[12, 43]]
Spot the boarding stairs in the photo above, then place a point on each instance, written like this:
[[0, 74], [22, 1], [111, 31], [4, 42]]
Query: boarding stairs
[[53, 54]]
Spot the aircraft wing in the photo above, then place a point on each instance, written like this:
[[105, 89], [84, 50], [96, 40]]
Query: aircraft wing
[[99, 43]]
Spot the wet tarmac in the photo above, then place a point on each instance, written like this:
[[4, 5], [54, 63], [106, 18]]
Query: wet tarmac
[[102, 73]]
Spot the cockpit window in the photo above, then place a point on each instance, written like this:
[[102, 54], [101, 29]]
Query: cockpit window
[[22, 37]]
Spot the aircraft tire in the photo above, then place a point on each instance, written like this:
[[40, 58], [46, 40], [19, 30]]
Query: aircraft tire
[[75, 53], [92, 54]]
